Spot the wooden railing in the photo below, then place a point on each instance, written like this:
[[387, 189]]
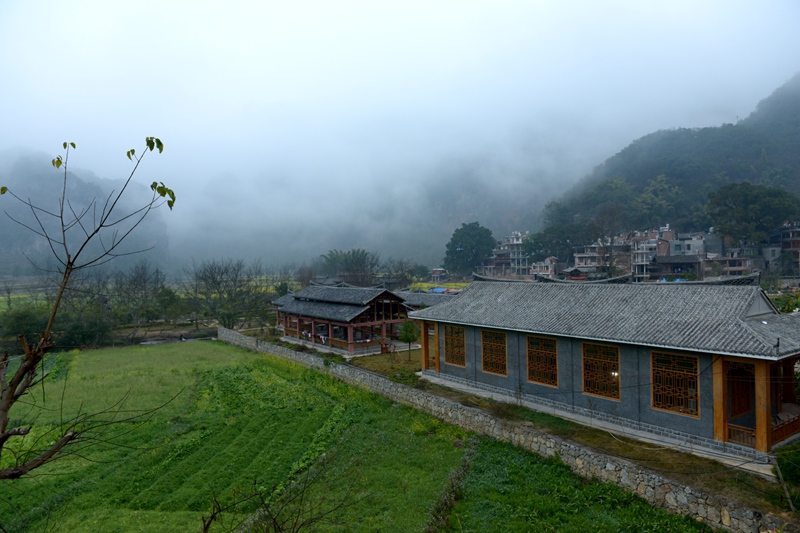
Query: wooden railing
[[336, 343], [742, 435], [785, 429]]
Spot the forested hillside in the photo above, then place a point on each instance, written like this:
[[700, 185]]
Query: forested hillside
[[666, 176]]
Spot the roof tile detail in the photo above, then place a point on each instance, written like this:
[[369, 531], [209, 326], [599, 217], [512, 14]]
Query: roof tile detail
[[707, 318]]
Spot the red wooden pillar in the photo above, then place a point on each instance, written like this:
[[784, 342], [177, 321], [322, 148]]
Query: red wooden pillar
[[425, 347], [763, 414], [720, 379], [350, 344]]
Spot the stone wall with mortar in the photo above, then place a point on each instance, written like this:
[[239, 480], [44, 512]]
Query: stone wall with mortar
[[659, 491]]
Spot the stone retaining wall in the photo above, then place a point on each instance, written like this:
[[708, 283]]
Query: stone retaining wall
[[676, 498]]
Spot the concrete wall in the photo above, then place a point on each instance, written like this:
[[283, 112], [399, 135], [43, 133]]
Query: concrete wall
[[633, 409], [659, 491]]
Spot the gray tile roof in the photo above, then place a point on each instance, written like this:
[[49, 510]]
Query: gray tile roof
[[338, 304], [283, 300], [335, 312], [427, 299], [345, 295], [706, 318]]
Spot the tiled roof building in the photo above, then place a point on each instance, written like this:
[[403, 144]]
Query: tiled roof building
[[713, 364]]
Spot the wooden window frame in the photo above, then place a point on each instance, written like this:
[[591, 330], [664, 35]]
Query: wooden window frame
[[542, 362], [455, 345], [490, 349], [601, 375], [675, 383]]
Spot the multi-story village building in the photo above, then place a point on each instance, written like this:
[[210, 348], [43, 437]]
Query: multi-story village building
[[598, 258], [548, 268], [785, 240], [509, 257], [645, 247]]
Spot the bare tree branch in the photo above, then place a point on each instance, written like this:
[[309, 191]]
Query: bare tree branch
[[73, 256]]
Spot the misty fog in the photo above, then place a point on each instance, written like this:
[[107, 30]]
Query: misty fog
[[292, 129]]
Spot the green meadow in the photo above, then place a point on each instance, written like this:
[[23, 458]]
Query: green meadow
[[204, 420]]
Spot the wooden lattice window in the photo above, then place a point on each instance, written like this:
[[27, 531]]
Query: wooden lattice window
[[543, 361], [741, 379], [454, 345], [674, 383], [601, 370], [493, 345]]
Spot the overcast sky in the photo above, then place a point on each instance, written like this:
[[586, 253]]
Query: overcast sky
[[305, 119]]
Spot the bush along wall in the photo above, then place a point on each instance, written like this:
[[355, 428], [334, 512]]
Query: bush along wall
[[676, 498]]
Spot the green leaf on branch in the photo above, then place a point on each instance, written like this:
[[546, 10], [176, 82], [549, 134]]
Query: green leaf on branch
[[3, 190], [56, 162], [164, 192], [153, 143], [72, 144]]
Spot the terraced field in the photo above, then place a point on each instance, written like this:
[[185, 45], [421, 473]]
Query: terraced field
[[227, 421]]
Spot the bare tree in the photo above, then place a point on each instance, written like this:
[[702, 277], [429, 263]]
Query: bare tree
[[400, 273], [228, 291], [136, 293], [78, 238], [355, 266], [85, 316], [8, 287]]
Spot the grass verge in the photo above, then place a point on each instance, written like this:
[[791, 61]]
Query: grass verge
[[704, 474]]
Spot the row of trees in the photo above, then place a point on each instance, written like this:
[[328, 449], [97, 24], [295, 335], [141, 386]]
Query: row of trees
[[228, 292], [363, 268], [97, 301]]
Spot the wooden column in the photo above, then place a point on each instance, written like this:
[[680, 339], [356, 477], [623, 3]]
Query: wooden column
[[720, 380], [436, 340], [763, 415], [350, 345], [425, 347]]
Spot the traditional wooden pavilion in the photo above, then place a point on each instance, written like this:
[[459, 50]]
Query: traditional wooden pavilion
[[351, 319]]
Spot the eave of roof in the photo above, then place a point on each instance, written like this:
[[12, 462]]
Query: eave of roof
[[698, 318], [343, 295], [334, 312]]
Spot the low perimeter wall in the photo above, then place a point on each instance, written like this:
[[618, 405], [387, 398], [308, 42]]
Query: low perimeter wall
[[676, 498]]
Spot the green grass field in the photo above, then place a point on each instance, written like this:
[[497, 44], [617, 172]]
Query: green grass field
[[228, 418]]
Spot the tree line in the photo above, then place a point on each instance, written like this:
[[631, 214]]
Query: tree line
[[101, 306]]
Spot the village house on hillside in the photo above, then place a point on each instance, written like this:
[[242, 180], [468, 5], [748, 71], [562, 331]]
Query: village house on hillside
[[709, 364]]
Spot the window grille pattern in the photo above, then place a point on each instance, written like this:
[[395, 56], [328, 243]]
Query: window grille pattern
[[494, 352], [543, 361], [601, 370], [741, 380], [454, 345], [675, 383]]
